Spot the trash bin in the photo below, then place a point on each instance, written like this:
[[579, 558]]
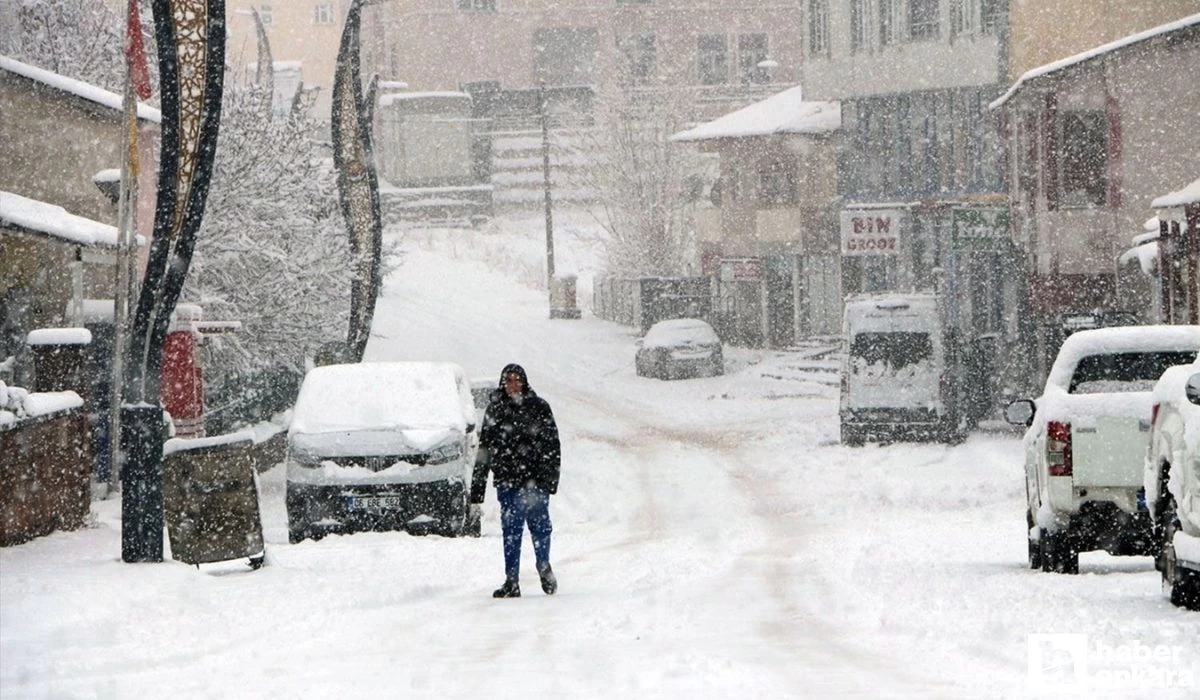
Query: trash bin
[[210, 497]]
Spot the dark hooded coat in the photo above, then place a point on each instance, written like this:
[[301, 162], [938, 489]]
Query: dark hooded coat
[[518, 442]]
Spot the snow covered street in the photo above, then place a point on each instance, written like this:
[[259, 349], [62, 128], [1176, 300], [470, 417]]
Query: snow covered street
[[712, 540]]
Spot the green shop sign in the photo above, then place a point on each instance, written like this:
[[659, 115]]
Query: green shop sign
[[981, 230]]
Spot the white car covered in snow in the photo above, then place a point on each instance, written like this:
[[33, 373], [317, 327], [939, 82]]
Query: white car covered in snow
[[1085, 446], [1172, 482], [387, 445]]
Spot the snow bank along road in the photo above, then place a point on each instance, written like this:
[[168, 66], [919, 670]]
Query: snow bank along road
[[712, 540]]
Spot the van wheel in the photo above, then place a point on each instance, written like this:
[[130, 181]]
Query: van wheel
[[1058, 554], [852, 437], [1035, 546], [1181, 586]]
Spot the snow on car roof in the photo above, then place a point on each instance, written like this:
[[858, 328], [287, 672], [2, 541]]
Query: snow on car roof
[[1170, 387], [375, 395], [1108, 341], [679, 331]]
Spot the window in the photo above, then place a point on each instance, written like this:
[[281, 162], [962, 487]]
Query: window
[[923, 20], [714, 60], [990, 16], [777, 182], [476, 5], [323, 13], [962, 17], [640, 55], [752, 50], [818, 27], [1129, 371], [889, 22], [1083, 162], [264, 13], [893, 351], [860, 38]]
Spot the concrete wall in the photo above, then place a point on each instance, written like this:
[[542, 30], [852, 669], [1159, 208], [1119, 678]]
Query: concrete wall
[[54, 142]]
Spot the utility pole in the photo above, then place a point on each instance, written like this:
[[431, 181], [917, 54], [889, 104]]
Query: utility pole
[[545, 113]]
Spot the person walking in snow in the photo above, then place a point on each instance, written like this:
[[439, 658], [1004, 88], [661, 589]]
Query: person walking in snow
[[519, 445]]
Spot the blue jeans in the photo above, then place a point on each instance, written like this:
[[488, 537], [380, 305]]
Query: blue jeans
[[518, 506]]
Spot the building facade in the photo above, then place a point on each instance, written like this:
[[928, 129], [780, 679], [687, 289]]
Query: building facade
[[722, 47], [1094, 139], [768, 234], [920, 170]]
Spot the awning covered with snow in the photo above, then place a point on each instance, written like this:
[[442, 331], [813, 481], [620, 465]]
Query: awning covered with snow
[[76, 87], [784, 113], [33, 216]]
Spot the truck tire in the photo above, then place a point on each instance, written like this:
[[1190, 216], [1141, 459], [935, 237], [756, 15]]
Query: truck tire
[[1058, 554], [1180, 585], [852, 437], [1035, 546]]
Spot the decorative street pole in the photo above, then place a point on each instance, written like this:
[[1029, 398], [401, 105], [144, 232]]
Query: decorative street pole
[[190, 35], [358, 185]]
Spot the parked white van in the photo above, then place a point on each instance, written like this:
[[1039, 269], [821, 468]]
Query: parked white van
[[381, 446], [896, 379]]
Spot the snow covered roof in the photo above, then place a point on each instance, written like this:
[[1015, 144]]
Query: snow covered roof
[[783, 113], [680, 331], [77, 87], [1179, 198], [1093, 53], [52, 220]]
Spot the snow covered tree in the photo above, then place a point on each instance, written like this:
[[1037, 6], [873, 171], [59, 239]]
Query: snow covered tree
[[273, 252], [81, 39], [644, 183]]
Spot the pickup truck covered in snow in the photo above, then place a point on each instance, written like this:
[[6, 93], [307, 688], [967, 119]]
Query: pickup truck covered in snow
[[1086, 442]]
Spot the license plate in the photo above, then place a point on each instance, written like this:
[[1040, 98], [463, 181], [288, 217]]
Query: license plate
[[374, 503]]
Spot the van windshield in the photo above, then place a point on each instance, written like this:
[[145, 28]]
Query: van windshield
[[897, 350], [1122, 372]]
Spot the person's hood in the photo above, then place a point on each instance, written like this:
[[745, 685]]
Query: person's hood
[[514, 368]]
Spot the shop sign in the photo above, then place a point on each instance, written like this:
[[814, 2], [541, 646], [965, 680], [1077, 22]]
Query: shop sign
[[741, 269], [981, 230], [871, 231]]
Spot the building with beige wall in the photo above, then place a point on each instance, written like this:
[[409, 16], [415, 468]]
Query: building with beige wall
[[304, 36], [1043, 31], [718, 45], [1093, 140]]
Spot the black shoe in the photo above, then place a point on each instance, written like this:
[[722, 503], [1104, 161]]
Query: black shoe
[[510, 589], [549, 583]]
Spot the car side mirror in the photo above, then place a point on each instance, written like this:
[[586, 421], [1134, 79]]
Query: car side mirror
[[1192, 389], [1020, 412]]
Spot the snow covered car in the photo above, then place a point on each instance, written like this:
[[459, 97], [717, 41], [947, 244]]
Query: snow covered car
[[381, 446], [1086, 442], [1172, 482], [680, 348]]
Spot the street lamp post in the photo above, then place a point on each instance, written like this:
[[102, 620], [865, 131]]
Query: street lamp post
[[545, 115]]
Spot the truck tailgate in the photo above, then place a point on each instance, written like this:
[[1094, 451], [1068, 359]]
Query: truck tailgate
[[1109, 450]]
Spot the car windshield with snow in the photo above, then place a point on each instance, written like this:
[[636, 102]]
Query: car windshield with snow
[[680, 348], [387, 445]]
